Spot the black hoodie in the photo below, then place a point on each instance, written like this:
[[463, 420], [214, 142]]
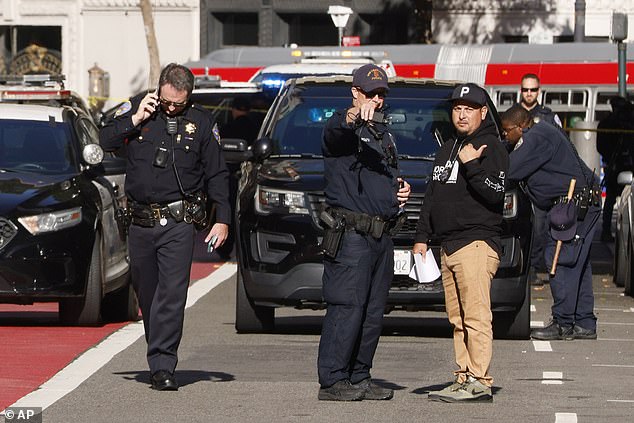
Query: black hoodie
[[468, 206]]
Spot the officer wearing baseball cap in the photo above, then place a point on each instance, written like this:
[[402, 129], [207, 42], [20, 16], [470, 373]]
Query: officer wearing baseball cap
[[546, 161], [364, 200]]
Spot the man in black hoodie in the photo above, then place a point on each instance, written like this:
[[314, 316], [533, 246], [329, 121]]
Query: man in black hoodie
[[463, 208]]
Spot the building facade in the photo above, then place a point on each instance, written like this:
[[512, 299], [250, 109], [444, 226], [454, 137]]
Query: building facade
[[77, 34], [306, 22]]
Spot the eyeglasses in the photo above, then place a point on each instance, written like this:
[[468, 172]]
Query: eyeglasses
[[168, 103], [372, 94], [532, 90], [506, 131]]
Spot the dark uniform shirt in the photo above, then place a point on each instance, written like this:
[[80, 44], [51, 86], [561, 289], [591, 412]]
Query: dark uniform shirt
[[196, 152], [546, 161], [361, 181]]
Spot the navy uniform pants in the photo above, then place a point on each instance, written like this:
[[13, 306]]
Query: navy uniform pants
[[571, 287], [160, 260], [355, 288]]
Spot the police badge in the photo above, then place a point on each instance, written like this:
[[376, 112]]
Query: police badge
[[190, 128]]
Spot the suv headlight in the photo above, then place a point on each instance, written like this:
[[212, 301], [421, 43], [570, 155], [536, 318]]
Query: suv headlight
[[269, 200], [510, 205], [49, 222]]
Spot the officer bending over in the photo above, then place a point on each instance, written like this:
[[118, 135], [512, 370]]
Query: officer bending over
[[363, 202], [174, 162], [546, 161]]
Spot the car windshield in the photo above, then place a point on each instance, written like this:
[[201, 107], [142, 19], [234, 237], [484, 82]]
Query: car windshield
[[219, 103], [35, 146], [420, 118]]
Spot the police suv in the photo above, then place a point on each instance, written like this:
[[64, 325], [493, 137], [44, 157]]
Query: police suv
[[59, 196], [282, 187]]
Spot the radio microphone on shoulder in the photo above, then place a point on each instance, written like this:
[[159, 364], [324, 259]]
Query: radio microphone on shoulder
[[172, 125]]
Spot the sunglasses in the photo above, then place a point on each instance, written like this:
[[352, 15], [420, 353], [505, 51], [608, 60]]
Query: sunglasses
[[168, 103], [532, 90], [505, 132], [372, 94]]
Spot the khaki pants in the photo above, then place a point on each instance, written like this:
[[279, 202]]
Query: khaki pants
[[466, 276]]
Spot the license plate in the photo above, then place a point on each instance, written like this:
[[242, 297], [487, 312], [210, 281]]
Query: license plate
[[402, 262]]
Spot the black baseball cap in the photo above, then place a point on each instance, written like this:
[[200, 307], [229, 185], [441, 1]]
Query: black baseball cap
[[470, 93], [563, 221], [369, 78]]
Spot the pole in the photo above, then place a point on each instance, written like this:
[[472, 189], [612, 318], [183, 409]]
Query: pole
[[580, 21], [571, 191], [340, 35], [622, 47]]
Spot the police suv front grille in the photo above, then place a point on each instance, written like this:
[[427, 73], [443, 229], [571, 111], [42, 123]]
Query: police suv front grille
[[7, 231], [412, 209]]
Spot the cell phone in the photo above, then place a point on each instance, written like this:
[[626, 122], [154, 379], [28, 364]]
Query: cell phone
[[211, 243]]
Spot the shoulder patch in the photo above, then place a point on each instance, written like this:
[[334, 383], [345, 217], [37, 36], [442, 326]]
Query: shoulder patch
[[216, 132], [123, 109]]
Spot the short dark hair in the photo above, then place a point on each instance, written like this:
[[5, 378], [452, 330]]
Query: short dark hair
[[178, 76], [531, 76], [516, 115]]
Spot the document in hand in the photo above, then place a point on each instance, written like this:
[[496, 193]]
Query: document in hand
[[424, 272]]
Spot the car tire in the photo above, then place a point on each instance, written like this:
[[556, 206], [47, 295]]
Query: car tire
[[514, 324], [620, 262], [629, 269], [86, 311], [121, 305], [251, 317]]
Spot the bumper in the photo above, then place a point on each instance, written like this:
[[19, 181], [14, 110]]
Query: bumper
[[301, 285], [45, 268]]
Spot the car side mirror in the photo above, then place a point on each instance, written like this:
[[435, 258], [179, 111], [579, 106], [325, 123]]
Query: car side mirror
[[235, 150], [114, 165], [624, 178], [262, 148]]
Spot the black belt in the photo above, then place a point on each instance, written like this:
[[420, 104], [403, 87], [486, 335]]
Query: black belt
[[148, 214], [368, 225]]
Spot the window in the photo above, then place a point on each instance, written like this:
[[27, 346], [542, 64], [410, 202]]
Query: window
[[239, 29]]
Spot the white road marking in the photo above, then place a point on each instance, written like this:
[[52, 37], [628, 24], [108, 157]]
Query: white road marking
[[616, 324], [620, 400], [565, 417], [552, 378], [625, 366], [613, 309], [533, 308], [70, 377], [537, 324], [542, 346]]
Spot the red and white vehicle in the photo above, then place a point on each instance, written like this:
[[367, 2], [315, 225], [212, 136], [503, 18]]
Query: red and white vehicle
[[577, 78]]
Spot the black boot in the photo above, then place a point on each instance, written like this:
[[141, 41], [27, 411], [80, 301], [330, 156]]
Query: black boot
[[554, 331]]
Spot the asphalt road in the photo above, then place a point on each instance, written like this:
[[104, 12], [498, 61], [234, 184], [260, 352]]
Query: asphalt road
[[226, 377]]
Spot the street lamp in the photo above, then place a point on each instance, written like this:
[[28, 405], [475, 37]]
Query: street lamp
[[619, 34], [339, 15]]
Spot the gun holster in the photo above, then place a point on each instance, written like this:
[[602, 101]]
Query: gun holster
[[335, 227], [196, 210]]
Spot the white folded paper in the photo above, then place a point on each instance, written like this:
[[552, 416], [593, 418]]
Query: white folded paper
[[424, 272]]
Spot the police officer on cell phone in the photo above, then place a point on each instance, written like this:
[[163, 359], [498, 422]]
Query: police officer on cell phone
[[174, 166], [364, 196]]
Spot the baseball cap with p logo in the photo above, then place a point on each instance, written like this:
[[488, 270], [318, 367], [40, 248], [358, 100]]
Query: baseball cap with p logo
[[470, 93]]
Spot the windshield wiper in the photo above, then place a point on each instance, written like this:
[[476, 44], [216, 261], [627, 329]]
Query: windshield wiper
[[300, 155]]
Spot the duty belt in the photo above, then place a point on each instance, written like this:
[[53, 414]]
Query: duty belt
[[148, 215], [366, 224]]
